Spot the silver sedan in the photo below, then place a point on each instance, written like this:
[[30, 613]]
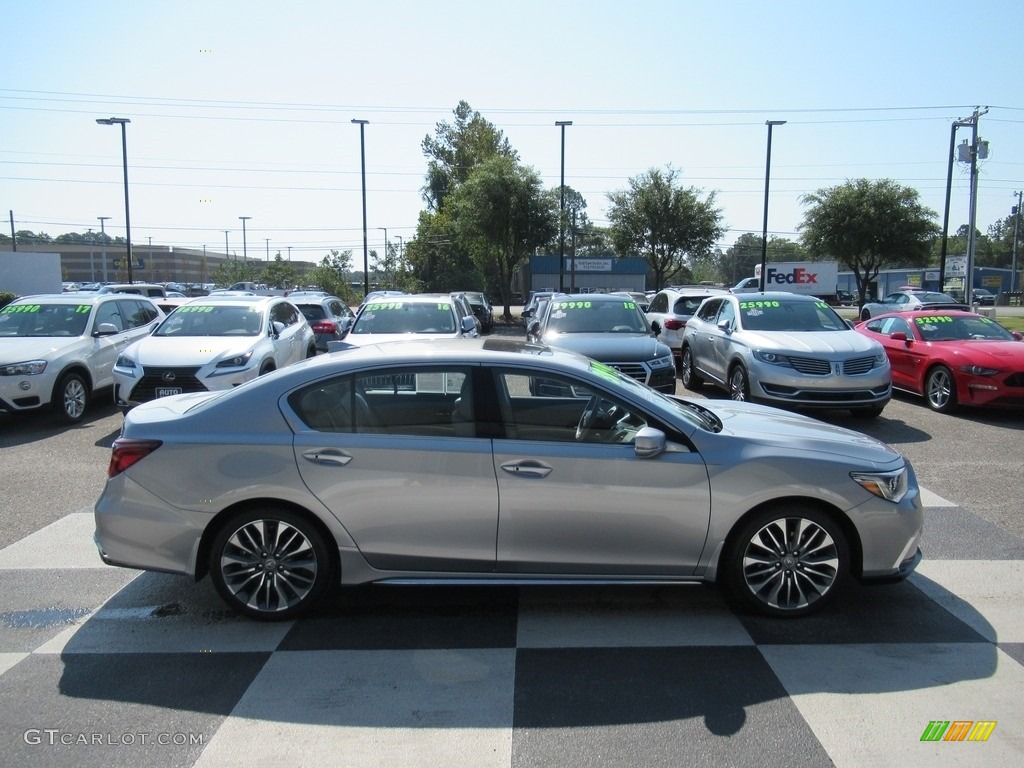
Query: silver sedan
[[497, 461]]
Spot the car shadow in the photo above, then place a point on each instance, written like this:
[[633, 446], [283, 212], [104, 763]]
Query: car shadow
[[563, 657]]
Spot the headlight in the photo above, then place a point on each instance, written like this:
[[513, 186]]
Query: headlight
[[979, 370], [28, 368], [774, 358], [661, 362], [238, 361], [886, 485], [126, 364], [881, 359]]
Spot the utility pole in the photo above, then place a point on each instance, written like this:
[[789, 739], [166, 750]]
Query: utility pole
[[976, 150], [1016, 236]]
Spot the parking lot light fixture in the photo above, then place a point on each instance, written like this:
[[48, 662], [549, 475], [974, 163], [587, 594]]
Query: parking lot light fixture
[[366, 250], [123, 121], [767, 175]]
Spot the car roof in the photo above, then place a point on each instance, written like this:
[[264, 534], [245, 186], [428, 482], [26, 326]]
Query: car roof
[[75, 297], [239, 300]]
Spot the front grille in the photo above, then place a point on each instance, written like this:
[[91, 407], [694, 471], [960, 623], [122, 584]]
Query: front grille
[[858, 366], [811, 366], [185, 378], [633, 370]]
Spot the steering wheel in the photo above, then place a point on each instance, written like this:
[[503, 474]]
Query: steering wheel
[[595, 418]]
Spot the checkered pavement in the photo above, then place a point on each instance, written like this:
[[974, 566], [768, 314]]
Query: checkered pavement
[[104, 666]]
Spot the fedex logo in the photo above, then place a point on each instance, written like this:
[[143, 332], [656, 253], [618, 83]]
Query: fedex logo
[[798, 276]]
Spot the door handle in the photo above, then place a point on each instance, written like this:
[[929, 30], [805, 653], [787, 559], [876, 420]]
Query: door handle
[[330, 456], [527, 468]]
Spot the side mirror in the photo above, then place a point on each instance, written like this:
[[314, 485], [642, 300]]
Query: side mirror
[[105, 329], [649, 442], [276, 328], [901, 336], [469, 325], [1018, 335], [725, 326], [533, 329], [655, 327]]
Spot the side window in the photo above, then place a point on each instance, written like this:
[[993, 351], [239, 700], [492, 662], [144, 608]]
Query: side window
[[659, 303], [727, 313], [136, 313], [894, 325], [283, 313], [708, 312], [109, 312], [563, 410]]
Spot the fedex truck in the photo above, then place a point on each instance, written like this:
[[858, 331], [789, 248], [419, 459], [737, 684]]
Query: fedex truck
[[809, 278]]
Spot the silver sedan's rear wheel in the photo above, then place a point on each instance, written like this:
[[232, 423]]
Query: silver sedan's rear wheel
[[270, 564], [787, 561]]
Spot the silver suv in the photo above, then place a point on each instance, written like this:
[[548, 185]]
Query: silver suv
[[786, 350], [61, 348]]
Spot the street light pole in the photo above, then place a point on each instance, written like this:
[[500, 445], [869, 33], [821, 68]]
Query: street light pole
[[226, 254], [103, 238], [561, 213], [245, 248], [385, 250], [366, 250], [767, 175], [123, 121]]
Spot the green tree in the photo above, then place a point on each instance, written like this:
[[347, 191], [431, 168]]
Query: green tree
[[868, 226], [438, 259], [455, 149], [661, 221], [280, 274], [501, 214], [235, 271], [334, 275]]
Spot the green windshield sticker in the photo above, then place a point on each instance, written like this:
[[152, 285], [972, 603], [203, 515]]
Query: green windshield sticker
[[384, 306], [929, 319], [603, 370], [759, 305], [83, 309], [29, 309], [186, 310], [572, 305], [443, 307]]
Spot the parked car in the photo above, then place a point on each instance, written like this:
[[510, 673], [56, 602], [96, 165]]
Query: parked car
[[786, 350], [907, 300], [327, 315], [608, 328], [952, 358], [671, 308], [394, 318], [983, 297], [638, 296], [212, 343], [482, 309], [396, 466], [530, 310], [60, 349], [142, 289]]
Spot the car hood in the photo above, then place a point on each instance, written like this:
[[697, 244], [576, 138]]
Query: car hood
[[618, 347], [18, 350], [997, 354], [811, 342], [785, 432], [189, 350]]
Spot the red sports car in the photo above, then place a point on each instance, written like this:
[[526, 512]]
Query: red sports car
[[952, 358]]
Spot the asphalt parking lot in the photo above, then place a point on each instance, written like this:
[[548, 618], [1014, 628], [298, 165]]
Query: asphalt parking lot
[[104, 666]]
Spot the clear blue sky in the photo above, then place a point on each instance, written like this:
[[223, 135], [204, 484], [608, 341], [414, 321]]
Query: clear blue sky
[[245, 107]]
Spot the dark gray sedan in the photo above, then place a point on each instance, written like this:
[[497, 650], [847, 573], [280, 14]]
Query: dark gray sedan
[[425, 462]]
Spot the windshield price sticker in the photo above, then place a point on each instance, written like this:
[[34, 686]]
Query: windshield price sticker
[[186, 310], [29, 309], [573, 305], [760, 305], [927, 320], [382, 307]]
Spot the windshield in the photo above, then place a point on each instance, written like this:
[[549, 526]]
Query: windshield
[[790, 316], [405, 317], [44, 319], [583, 316], [950, 328], [212, 320]]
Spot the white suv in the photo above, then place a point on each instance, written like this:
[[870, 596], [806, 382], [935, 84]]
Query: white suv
[[671, 308], [61, 348]]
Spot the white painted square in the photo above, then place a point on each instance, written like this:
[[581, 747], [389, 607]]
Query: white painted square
[[987, 595]]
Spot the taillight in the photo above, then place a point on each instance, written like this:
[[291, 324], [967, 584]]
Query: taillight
[[674, 325], [325, 327], [126, 452]]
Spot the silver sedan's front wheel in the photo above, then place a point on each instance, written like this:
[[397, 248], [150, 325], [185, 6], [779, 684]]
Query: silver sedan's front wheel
[[788, 562], [270, 564]]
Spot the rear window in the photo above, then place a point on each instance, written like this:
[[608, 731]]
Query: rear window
[[312, 312]]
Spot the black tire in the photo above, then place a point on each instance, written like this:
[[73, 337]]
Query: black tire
[[786, 561], [71, 398], [940, 389], [311, 352], [275, 582], [688, 374], [739, 384], [267, 368]]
